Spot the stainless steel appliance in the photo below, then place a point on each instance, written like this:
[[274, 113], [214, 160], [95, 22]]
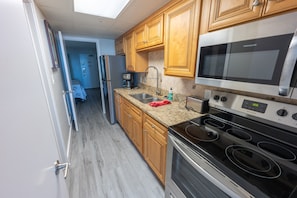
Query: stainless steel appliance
[[196, 104], [257, 57], [244, 147], [112, 68]]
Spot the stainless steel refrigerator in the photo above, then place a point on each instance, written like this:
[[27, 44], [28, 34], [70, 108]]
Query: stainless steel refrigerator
[[112, 68]]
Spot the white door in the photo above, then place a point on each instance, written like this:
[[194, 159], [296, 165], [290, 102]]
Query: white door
[[67, 78], [28, 144]]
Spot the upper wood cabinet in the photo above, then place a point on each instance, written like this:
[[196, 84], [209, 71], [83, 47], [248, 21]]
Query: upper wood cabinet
[[276, 6], [149, 34], [119, 46], [135, 61], [224, 13], [181, 37]]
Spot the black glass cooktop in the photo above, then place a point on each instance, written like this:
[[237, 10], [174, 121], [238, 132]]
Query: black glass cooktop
[[255, 155]]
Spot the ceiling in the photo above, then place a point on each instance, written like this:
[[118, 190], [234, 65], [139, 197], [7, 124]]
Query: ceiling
[[60, 15]]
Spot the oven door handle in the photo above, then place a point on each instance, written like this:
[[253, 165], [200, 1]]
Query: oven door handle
[[288, 68], [183, 150]]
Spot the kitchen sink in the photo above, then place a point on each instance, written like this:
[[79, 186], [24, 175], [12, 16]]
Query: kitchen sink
[[145, 98]]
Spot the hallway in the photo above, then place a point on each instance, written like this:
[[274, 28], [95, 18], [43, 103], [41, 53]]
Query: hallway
[[104, 163]]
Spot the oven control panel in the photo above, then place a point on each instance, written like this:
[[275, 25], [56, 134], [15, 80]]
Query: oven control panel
[[275, 113]]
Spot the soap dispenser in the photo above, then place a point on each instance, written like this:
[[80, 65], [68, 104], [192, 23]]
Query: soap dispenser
[[170, 94]]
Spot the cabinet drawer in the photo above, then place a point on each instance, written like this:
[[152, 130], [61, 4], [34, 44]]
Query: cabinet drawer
[[159, 129], [135, 110]]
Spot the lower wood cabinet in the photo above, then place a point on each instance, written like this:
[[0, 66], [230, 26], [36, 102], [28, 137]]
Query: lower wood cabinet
[[147, 134], [154, 146], [132, 123], [118, 106]]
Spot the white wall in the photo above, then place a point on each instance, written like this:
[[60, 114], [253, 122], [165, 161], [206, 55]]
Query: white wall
[[107, 47], [55, 88]]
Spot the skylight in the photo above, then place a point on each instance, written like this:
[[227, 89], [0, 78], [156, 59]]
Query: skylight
[[103, 8]]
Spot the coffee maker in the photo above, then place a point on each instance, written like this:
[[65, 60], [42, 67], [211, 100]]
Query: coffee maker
[[128, 80]]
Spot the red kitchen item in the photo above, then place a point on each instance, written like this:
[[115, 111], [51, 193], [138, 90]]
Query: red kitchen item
[[159, 103]]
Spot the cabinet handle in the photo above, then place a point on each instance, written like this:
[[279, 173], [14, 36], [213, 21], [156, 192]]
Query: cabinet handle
[[256, 3]]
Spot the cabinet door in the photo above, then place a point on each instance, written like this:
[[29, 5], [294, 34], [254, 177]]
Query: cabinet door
[[140, 37], [226, 13], [137, 132], [136, 123], [127, 118], [274, 6], [129, 51], [150, 34], [135, 62], [181, 38], [155, 31], [154, 146], [155, 153], [117, 101]]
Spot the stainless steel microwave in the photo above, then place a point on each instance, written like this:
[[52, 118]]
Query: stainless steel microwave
[[258, 57]]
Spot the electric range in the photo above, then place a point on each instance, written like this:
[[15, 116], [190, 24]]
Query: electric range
[[249, 140]]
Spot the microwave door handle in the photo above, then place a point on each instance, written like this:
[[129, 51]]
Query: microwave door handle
[[288, 68]]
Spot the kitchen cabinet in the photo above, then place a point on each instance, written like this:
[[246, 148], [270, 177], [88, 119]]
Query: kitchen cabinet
[[181, 23], [135, 61], [132, 123], [119, 46], [225, 13], [154, 146], [276, 6], [150, 34], [118, 105]]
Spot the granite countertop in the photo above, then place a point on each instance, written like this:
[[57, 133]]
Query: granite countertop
[[167, 115]]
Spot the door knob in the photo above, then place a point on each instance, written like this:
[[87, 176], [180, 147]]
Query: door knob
[[59, 166]]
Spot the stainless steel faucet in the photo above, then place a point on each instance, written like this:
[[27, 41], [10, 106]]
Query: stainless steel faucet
[[158, 91]]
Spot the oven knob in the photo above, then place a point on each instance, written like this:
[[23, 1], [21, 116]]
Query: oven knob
[[282, 112], [216, 97], [294, 116], [223, 98]]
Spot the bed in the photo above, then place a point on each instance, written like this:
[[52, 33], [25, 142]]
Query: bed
[[78, 90]]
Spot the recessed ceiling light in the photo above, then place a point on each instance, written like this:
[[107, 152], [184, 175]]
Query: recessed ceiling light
[[103, 8]]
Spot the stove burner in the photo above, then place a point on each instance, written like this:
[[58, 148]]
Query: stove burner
[[239, 133], [253, 162], [201, 133], [214, 123], [277, 151]]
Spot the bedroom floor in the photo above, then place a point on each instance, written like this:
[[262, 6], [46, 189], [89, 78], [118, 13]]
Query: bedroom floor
[[104, 163]]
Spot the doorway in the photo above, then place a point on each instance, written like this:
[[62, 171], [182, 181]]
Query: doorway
[[83, 63]]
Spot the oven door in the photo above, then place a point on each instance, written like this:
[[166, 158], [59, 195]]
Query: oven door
[[189, 174]]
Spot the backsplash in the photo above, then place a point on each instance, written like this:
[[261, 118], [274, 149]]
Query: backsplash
[[181, 86]]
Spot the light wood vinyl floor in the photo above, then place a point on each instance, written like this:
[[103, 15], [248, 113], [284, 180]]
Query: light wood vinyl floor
[[104, 163]]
